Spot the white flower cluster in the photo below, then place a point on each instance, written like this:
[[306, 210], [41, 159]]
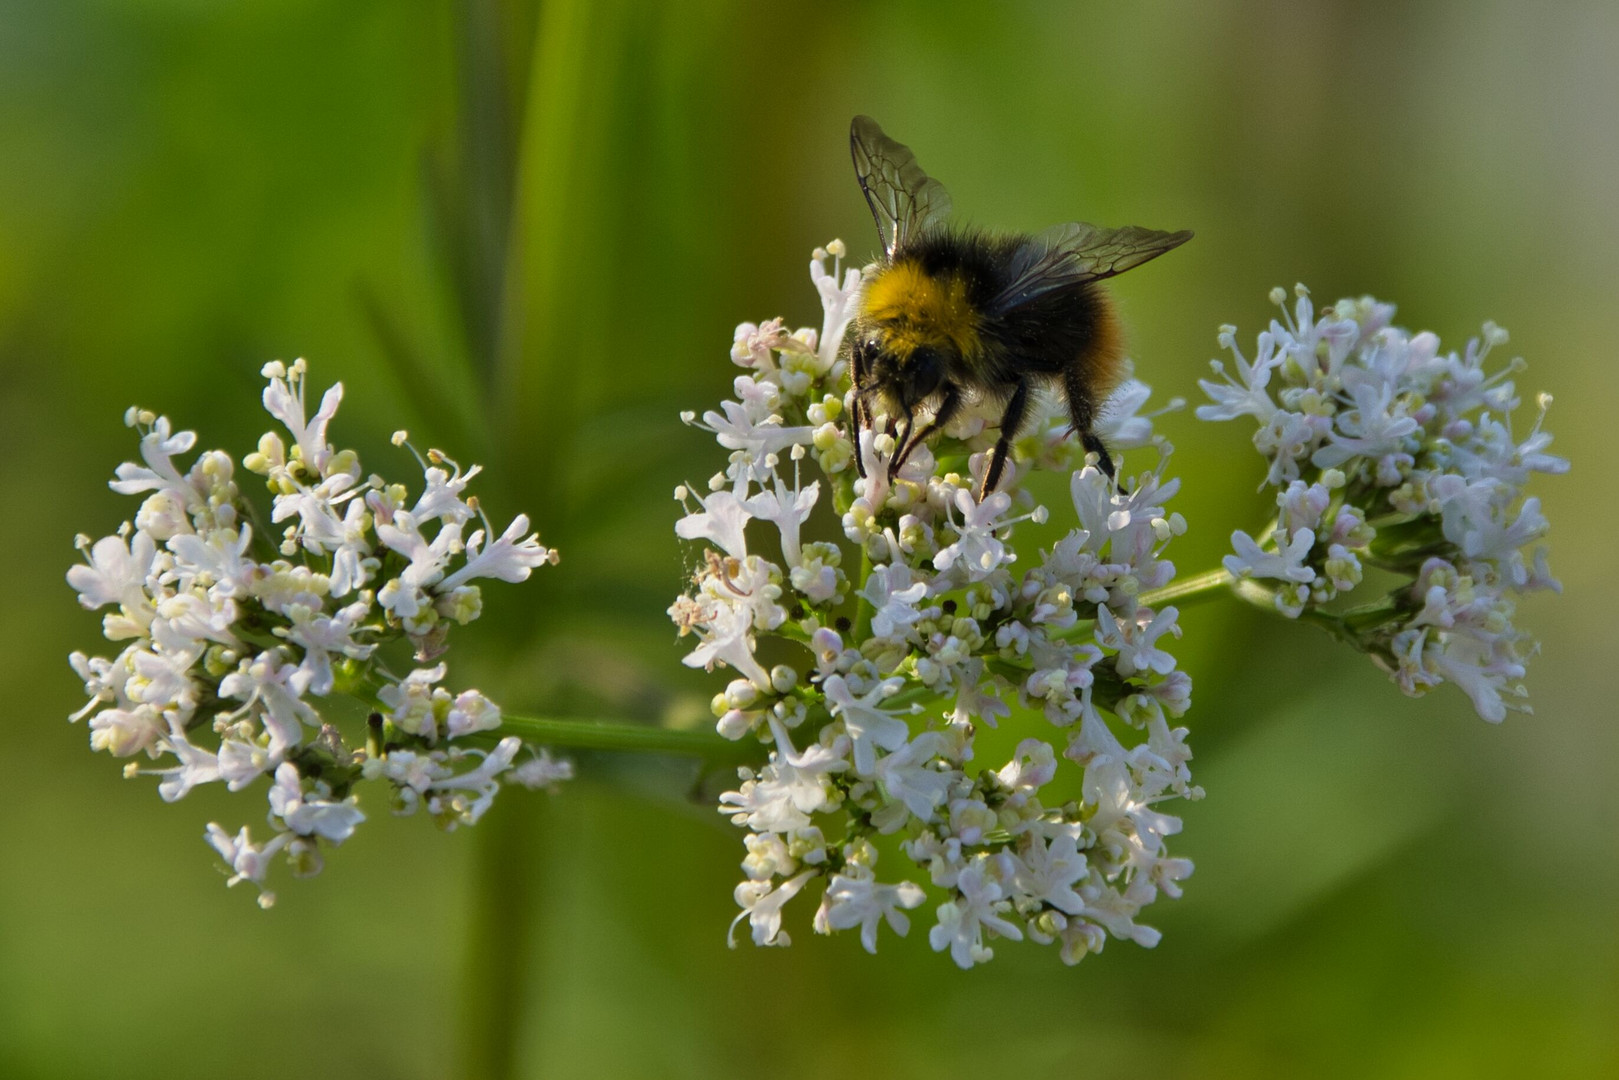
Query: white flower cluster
[[1390, 455], [229, 636], [868, 686]]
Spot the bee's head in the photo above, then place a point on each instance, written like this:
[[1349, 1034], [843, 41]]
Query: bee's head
[[902, 381]]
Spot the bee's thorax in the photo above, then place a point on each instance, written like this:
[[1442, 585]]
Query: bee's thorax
[[910, 308]]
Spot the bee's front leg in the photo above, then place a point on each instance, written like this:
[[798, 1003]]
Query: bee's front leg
[[859, 369], [902, 445], [942, 416]]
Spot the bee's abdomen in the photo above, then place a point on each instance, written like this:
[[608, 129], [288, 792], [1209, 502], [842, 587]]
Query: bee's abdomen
[[1073, 329]]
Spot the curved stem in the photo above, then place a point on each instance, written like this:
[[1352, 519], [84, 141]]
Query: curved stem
[[619, 735], [1332, 624], [1215, 582], [1209, 584]]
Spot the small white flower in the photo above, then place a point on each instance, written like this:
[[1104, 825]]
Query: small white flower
[[158, 447], [1248, 395], [893, 594], [1048, 871], [979, 905], [241, 763], [277, 688], [757, 438], [323, 530], [761, 907], [840, 301], [247, 861], [977, 550], [868, 724], [1136, 644], [541, 770], [511, 557], [442, 492], [218, 561], [725, 636], [470, 712], [466, 796], [284, 400], [320, 636], [1371, 429], [311, 815], [1034, 765], [789, 789], [908, 777], [1287, 563], [116, 574], [855, 898], [197, 766], [721, 522], [404, 596], [787, 509], [411, 701], [1480, 672]]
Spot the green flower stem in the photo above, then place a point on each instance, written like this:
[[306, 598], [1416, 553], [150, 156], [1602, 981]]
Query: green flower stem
[[1199, 587], [619, 735], [863, 609], [1346, 627], [1332, 624], [1252, 592]]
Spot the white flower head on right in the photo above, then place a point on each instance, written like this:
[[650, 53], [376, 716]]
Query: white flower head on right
[[1388, 454]]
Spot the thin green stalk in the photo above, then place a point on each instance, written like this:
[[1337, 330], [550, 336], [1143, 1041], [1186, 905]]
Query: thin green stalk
[[1197, 588], [1217, 582], [863, 609], [1210, 584], [1252, 592]]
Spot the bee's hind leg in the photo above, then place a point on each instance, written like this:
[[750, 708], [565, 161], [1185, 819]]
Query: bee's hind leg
[[1082, 410], [1094, 445]]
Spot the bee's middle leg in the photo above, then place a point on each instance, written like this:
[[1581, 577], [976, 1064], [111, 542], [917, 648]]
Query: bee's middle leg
[[1012, 419]]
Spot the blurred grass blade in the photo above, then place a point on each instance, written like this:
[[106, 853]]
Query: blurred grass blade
[[534, 400]]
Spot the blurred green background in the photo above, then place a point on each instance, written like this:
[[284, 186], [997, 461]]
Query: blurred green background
[[525, 233]]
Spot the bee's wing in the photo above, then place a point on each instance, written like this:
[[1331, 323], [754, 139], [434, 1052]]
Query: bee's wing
[[1067, 255], [904, 199]]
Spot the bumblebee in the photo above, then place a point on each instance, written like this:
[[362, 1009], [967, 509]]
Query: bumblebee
[[952, 313]]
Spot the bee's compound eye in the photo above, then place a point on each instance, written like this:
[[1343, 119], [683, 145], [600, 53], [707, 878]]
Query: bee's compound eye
[[923, 373]]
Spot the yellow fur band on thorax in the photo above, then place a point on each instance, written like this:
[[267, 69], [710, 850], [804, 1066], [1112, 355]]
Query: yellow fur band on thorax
[[917, 309]]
